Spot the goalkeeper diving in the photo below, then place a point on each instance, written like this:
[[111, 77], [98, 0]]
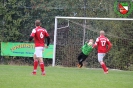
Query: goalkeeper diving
[[86, 49]]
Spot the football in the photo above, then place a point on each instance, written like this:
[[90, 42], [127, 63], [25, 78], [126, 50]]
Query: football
[[90, 43]]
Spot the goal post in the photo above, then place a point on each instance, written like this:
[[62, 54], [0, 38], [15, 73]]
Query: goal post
[[93, 25]]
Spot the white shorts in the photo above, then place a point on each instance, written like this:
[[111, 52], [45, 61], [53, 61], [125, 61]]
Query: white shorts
[[39, 51], [101, 56]]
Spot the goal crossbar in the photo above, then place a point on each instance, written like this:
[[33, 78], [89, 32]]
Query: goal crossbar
[[92, 18]]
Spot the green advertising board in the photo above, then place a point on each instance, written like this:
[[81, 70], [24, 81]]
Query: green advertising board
[[23, 49]]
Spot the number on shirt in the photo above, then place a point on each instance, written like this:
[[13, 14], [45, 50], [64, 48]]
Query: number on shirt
[[41, 35], [103, 43]]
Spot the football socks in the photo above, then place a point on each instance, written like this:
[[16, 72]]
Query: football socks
[[35, 65], [42, 66], [104, 66]]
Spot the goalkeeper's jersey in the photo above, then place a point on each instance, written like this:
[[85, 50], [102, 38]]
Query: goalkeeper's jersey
[[86, 49]]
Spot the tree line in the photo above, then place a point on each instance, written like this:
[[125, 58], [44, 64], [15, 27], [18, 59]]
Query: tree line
[[17, 20]]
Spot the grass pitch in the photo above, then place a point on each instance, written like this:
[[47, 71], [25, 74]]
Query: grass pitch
[[63, 77]]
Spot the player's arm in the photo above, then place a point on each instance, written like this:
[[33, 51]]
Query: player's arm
[[48, 40], [84, 45], [96, 43], [109, 45], [86, 42], [30, 38], [32, 35]]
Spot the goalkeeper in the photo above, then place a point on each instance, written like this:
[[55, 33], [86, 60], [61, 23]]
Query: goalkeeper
[[86, 49]]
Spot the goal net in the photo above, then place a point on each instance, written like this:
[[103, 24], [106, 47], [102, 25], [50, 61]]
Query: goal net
[[72, 32]]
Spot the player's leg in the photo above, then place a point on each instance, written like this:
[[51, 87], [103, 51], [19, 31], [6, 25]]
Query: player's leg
[[103, 65], [40, 58], [83, 59], [35, 64], [79, 57], [80, 64], [42, 66]]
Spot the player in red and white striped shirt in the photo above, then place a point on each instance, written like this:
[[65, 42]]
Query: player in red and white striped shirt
[[103, 46], [39, 34]]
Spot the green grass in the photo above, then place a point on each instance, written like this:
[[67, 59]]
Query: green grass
[[63, 77]]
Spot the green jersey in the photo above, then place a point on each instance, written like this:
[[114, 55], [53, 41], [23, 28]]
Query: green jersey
[[86, 49]]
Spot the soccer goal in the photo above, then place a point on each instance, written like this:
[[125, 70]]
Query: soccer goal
[[71, 32]]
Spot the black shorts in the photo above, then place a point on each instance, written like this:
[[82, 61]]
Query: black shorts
[[82, 56]]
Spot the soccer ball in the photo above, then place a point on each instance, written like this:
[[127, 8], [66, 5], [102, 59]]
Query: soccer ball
[[90, 43]]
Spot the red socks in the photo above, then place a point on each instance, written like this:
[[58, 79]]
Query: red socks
[[35, 65], [103, 66], [42, 66]]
